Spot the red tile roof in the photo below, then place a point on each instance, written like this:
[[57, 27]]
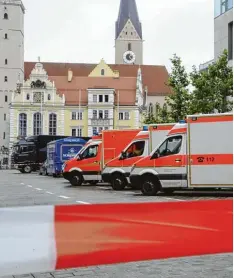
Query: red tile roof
[[154, 77]]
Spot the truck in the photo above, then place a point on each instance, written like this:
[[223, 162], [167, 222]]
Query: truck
[[197, 153], [90, 161], [61, 150], [117, 170], [28, 154]]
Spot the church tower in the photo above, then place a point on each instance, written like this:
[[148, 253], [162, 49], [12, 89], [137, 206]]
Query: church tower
[[128, 35], [11, 59]]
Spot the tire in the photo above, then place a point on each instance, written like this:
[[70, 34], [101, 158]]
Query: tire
[[76, 179], [168, 190], [118, 182], [27, 169], [55, 175], [21, 171], [150, 185]]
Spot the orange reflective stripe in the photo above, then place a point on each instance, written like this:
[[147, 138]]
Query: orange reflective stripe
[[212, 159], [161, 127], [142, 136], [211, 119], [178, 130]]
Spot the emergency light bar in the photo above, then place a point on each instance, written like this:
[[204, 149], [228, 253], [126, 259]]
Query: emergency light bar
[[182, 122], [145, 128]]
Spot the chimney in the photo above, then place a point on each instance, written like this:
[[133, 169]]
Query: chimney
[[69, 75]]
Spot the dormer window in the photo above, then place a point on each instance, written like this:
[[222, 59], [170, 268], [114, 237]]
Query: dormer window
[[102, 72], [5, 16], [49, 98]]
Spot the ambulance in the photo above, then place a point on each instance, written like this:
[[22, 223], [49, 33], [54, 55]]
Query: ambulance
[[117, 171], [195, 154], [89, 162]]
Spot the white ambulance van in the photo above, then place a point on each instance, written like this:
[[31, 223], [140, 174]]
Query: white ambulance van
[[195, 154]]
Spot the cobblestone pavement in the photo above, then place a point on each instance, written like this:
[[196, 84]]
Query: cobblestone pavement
[[18, 189]]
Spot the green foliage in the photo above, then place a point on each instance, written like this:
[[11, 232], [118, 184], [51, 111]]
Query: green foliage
[[158, 115], [213, 87]]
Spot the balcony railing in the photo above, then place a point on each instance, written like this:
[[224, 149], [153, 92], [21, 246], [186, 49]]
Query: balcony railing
[[100, 122]]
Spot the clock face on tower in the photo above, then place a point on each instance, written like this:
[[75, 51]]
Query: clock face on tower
[[129, 57]]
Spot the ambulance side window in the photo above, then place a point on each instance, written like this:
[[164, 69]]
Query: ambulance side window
[[90, 152], [136, 149], [170, 146]]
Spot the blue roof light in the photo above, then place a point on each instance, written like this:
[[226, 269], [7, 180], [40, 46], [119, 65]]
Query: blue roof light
[[182, 122], [145, 128]]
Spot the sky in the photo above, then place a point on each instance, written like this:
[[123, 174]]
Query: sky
[[83, 31]]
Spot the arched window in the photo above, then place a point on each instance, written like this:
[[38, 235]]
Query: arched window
[[27, 96], [6, 37], [37, 124], [49, 97], [23, 124], [102, 72], [52, 124], [6, 62], [129, 46], [5, 16], [5, 79]]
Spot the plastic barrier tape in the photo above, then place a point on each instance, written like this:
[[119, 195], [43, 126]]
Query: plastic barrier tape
[[47, 238]]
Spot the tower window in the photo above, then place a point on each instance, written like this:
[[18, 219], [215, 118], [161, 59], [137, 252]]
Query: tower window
[[126, 33], [27, 97], [102, 72], [6, 99], [5, 79], [6, 37], [129, 46], [49, 97], [5, 16], [6, 62]]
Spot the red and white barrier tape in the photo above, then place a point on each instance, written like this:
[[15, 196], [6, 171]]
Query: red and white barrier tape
[[47, 238]]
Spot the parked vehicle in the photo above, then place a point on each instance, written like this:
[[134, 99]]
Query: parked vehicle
[[29, 154], [62, 150], [89, 163], [196, 154], [43, 169], [117, 171]]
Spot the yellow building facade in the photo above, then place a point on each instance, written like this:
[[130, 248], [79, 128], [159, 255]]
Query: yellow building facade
[[75, 105]]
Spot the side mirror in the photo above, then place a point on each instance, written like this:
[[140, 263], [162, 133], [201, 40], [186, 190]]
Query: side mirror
[[123, 155], [79, 157], [155, 155]]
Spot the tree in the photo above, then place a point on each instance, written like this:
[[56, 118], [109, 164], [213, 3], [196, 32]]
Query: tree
[[213, 87], [179, 100], [164, 115], [149, 116]]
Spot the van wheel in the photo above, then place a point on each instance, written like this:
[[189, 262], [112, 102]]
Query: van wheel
[[118, 182], [150, 185], [27, 169], [76, 179]]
